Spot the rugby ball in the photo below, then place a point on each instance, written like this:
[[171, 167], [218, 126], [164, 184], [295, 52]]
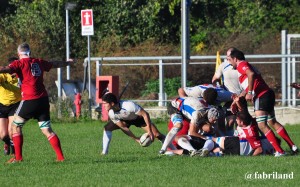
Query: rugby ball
[[145, 140]]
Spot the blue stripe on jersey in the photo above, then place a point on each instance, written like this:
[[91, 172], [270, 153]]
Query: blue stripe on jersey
[[188, 109], [205, 87], [227, 66]]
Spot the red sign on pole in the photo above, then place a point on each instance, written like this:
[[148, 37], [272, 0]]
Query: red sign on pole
[[87, 23]]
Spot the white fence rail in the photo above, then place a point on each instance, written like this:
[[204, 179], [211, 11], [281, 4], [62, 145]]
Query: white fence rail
[[288, 69]]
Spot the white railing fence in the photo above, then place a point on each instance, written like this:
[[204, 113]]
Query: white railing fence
[[288, 65]]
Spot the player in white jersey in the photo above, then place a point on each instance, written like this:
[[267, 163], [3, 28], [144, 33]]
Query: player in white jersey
[[198, 91], [223, 96], [122, 115], [228, 75], [194, 109]]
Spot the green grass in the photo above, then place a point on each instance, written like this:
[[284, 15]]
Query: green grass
[[129, 164]]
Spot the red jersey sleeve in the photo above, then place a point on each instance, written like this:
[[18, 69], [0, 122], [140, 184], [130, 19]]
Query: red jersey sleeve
[[242, 67], [46, 65]]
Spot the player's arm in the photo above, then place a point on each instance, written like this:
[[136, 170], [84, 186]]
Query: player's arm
[[182, 93], [147, 120], [250, 74], [193, 131], [243, 94], [217, 76], [215, 79], [257, 151], [254, 141], [126, 130], [5, 69], [60, 64]]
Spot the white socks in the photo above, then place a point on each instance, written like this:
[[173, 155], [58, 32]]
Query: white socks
[[209, 145], [169, 138], [185, 144], [106, 141]]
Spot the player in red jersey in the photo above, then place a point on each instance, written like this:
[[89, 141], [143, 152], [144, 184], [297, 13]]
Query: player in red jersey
[[248, 129], [263, 98], [35, 102]]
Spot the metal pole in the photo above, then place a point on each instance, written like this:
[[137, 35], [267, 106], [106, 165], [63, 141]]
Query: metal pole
[[283, 68], [161, 84], [67, 43], [59, 92], [288, 75], [97, 68], [89, 74], [185, 52], [294, 80]]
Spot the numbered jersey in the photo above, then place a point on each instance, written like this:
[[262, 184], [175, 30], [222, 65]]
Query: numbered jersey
[[30, 72]]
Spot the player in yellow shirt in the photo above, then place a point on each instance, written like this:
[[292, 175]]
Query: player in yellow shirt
[[10, 97]]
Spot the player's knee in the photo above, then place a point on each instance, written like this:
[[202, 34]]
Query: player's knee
[[177, 120], [110, 126], [45, 124], [262, 119], [271, 119], [18, 121], [181, 140], [2, 135]]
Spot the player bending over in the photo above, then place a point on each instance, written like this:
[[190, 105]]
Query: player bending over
[[194, 109], [122, 115]]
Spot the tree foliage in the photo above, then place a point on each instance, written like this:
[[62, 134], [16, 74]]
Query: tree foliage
[[129, 23]]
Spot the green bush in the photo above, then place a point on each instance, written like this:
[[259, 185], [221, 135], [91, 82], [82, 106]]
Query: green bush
[[170, 86]]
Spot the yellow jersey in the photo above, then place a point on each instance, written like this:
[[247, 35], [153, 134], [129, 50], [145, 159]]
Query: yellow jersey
[[10, 92]]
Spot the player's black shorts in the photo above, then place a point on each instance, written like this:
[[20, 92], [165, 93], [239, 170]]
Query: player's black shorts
[[36, 108], [138, 122], [266, 102], [231, 146], [197, 142], [6, 111]]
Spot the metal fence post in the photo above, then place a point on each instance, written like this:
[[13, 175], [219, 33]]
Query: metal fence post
[[161, 84]]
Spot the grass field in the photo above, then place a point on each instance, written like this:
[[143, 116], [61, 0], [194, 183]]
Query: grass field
[[128, 164]]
